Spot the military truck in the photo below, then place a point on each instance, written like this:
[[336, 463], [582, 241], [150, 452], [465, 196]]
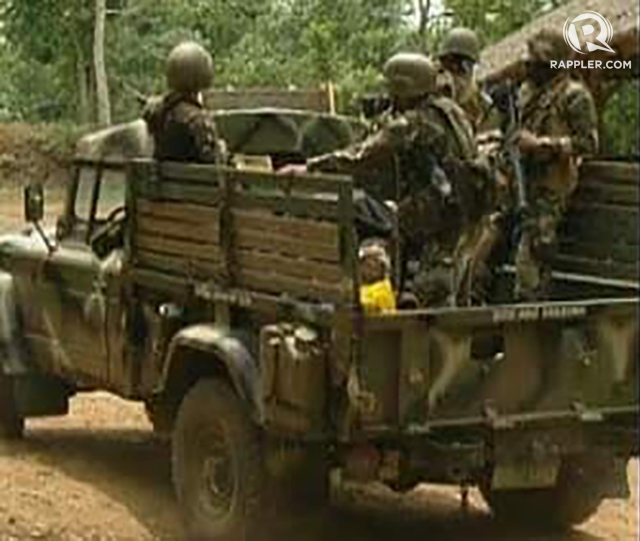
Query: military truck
[[227, 301]]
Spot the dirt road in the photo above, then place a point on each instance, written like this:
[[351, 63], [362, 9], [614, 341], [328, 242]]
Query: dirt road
[[99, 475]]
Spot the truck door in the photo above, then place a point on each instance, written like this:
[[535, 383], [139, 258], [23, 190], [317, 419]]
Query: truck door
[[75, 286]]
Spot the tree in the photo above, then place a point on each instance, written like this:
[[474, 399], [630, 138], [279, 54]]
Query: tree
[[495, 19], [102, 86], [54, 37], [424, 9]]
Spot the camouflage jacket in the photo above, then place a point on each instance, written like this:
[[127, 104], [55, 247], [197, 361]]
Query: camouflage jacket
[[562, 115], [182, 129], [427, 150], [465, 92]]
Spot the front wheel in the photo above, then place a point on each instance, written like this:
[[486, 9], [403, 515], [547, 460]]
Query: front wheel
[[580, 488], [218, 468]]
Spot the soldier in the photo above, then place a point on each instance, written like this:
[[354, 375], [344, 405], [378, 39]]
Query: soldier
[[182, 129], [428, 143], [457, 57], [559, 126]]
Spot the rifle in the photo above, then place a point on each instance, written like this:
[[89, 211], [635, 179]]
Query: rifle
[[141, 98], [506, 99]]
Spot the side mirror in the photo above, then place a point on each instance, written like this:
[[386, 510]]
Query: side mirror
[[34, 203], [34, 211]]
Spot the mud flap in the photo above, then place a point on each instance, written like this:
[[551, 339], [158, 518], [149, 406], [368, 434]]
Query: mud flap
[[40, 396]]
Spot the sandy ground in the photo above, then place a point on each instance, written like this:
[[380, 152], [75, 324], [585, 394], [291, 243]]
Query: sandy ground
[[98, 474]]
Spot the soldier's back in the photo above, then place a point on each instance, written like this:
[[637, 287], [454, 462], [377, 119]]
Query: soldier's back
[[182, 130]]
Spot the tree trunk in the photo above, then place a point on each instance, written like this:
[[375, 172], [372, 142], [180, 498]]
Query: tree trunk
[[84, 111], [102, 87], [424, 6]]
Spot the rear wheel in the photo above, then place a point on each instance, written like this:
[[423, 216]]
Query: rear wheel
[[218, 466], [11, 423], [581, 486]]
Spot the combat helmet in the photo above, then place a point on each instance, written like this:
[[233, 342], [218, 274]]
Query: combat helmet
[[461, 42], [409, 75], [547, 45], [189, 68]]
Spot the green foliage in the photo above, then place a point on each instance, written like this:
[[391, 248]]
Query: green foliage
[[31, 90], [46, 49], [48, 68], [495, 19], [620, 121]]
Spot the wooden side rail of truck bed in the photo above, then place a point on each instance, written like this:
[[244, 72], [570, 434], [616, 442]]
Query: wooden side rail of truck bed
[[242, 231], [599, 240]]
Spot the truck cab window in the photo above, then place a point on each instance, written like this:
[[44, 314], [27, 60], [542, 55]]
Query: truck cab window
[[112, 194], [84, 194], [97, 197]]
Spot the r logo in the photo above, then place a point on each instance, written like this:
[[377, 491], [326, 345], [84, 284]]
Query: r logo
[[589, 29]]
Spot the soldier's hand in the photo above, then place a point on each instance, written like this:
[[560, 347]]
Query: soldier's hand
[[527, 142], [292, 169]]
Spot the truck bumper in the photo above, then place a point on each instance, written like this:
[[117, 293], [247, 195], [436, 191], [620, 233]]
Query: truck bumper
[[523, 451]]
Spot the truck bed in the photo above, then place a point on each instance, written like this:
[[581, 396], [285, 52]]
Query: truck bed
[[500, 366], [285, 247]]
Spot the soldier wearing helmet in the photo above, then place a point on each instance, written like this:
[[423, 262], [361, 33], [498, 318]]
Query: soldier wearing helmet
[[559, 127], [456, 60], [182, 129], [428, 142]]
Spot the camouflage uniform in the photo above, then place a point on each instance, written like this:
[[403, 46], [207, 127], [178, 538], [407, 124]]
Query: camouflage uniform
[[560, 112], [482, 243], [428, 145], [182, 129], [456, 60], [457, 56], [464, 90]]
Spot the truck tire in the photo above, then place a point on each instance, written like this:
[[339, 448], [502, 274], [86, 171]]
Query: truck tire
[[217, 462], [11, 423], [579, 490]]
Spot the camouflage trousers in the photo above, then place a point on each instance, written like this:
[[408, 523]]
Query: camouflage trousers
[[537, 246], [433, 283], [473, 268]]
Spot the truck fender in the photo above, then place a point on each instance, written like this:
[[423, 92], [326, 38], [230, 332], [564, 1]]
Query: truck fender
[[12, 360], [223, 351]]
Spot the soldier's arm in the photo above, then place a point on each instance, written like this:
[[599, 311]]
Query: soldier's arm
[[210, 147], [582, 119], [579, 111], [368, 155]]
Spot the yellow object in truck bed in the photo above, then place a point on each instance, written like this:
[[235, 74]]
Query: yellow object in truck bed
[[378, 297]]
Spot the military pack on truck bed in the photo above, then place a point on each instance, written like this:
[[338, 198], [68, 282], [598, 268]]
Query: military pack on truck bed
[[227, 301]]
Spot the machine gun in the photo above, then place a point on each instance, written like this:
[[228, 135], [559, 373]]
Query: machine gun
[[506, 99]]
